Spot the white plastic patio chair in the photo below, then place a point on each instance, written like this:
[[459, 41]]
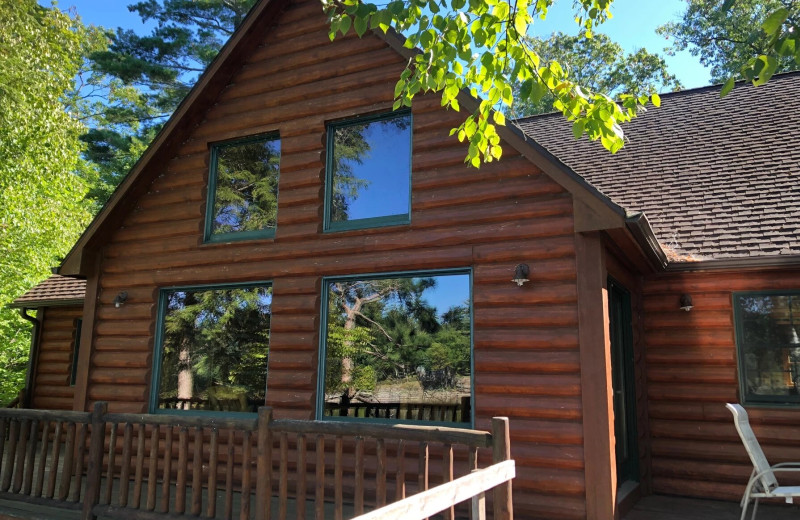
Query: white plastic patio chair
[[763, 483]]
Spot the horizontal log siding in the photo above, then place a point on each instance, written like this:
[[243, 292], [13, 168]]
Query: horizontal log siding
[[51, 388], [692, 372], [526, 346]]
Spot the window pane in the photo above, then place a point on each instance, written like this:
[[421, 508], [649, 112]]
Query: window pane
[[371, 170], [399, 348], [246, 191], [214, 349], [769, 346]]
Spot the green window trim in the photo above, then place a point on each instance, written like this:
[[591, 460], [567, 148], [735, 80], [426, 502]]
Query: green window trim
[[155, 380], [397, 219], [321, 374], [792, 360], [209, 236]]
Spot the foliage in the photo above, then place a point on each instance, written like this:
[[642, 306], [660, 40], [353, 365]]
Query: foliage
[[480, 45], [132, 84], [41, 185], [750, 39], [600, 64]]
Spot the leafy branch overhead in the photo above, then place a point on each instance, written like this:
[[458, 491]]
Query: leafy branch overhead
[[481, 45], [781, 29], [739, 39]]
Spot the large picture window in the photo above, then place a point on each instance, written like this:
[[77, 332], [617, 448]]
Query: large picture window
[[398, 348], [369, 173], [243, 189], [767, 328], [213, 348]]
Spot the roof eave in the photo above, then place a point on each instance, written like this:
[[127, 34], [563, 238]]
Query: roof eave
[[759, 262], [642, 232], [36, 304]]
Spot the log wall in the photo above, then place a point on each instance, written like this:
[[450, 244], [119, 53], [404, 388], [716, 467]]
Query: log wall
[[692, 372], [51, 388], [526, 345]]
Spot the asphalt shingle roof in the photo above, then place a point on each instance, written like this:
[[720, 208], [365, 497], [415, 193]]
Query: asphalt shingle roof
[[717, 177], [56, 290]]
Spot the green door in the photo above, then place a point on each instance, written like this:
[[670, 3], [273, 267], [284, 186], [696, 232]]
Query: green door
[[622, 376]]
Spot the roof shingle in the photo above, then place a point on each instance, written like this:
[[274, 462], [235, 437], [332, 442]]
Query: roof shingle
[[716, 177], [56, 290]]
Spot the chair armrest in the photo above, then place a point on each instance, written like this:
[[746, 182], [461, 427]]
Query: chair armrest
[[776, 469]]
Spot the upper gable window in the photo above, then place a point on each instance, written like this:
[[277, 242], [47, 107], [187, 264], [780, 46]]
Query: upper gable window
[[243, 189], [768, 341], [369, 173]]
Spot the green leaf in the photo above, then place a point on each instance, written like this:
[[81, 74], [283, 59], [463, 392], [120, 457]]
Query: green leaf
[[770, 66], [526, 88], [726, 6], [344, 26], [578, 128], [656, 99], [360, 26], [774, 21], [727, 87]]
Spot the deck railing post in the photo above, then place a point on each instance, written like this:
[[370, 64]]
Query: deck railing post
[[94, 470], [501, 451], [264, 464]]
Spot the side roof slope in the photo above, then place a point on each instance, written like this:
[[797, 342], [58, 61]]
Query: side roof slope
[[717, 177], [55, 291]]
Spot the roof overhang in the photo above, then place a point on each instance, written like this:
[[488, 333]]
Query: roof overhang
[[759, 262], [37, 304]]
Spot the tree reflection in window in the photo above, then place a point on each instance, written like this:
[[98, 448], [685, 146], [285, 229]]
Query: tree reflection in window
[[369, 181], [399, 348], [245, 196], [769, 346], [214, 348]]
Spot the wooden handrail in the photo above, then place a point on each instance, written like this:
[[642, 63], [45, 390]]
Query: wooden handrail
[[411, 432], [444, 496]]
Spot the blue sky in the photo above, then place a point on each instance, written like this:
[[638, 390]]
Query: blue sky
[[632, 26]]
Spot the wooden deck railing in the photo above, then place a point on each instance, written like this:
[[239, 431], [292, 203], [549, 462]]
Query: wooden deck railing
[[152, 466]]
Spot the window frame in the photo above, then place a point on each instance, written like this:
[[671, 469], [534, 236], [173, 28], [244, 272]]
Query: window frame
[[319, 414], [400, 219], [209, 237], [770, 401], [158, 348], [76, 346]]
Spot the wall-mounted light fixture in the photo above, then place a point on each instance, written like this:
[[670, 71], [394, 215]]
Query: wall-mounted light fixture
[[686, 302], [521, 274], [120, 299]]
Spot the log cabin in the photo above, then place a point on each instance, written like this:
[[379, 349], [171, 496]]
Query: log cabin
[[287, 235]]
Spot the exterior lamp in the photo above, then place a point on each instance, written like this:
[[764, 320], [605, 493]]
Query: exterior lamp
[[521, 273], [120, 299], [686, 302]]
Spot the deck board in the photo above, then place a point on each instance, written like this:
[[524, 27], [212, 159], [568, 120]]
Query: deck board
[[660, 507]]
